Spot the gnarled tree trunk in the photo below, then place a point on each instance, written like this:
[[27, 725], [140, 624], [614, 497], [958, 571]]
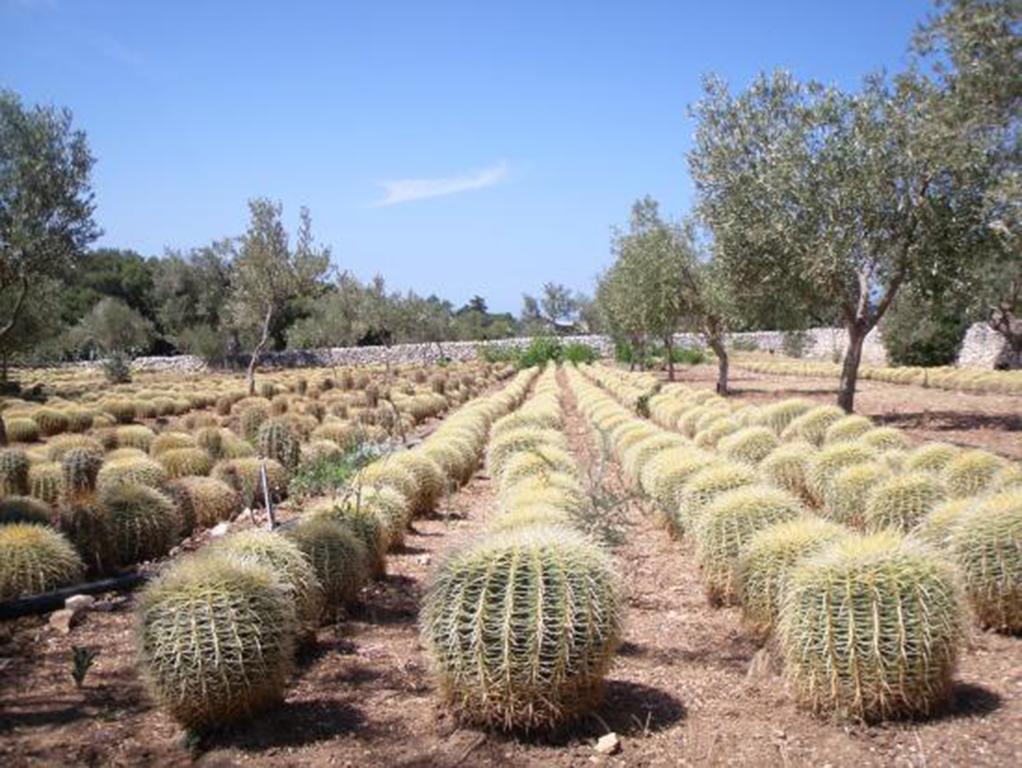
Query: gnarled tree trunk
[[669, 351], [1004, 320], [850, 368]]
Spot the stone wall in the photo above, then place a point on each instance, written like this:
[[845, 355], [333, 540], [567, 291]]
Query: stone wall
[[980, 349]]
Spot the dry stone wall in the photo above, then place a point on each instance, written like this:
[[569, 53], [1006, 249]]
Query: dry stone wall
[[981, 349]]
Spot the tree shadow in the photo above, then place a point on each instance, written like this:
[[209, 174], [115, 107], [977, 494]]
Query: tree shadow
[[952, 420]]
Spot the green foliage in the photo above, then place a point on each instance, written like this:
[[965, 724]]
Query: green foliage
[[46, 200], [522, 628], [216, 641], [81, 662], [889, 646], [326, 475], [689, 355], [796, 343], [540, 351], [34, 559], [918, 330], [577, 353]]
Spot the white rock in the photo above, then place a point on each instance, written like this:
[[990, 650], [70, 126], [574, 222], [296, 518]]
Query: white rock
[[79, 603], [218, 530], [608, 744]]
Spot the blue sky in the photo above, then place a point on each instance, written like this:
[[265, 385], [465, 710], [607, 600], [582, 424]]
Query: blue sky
[[454, 147]]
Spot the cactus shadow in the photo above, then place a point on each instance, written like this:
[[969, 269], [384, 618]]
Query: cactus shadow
[[293, 724], [971, 700], [631, 709]]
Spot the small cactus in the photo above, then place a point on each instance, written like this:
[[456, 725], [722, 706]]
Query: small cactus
[[935, 529], [786, 466], [79, 472], [284, 558], [972, 472], [216, 641], [871, 628], [360, 520], [21, 429], [986, 545], [203, 501], [778, 416], [50, 421], [522, 628], [749, 445], [812, 425], [931, 457], [766, 563], [845, 498], [14, 467], [34, 559], [727, 525], [703, 487], [884, 439], [824, 466], [181, 462], [338, 557], [142, 523], [845, 430], [278, 441], [25, 509], [169, 441], [902, 501]]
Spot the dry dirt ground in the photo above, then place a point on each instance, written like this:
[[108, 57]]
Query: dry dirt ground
[[679, 693], [991, 421]]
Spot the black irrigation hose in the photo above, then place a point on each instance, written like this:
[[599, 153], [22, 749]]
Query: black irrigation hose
[[51, 601]]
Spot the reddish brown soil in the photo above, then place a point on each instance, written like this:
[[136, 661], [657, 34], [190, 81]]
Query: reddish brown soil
[[678, 694], [990, 421]]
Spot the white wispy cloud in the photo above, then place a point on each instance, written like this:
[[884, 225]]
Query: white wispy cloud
[[406, 190]]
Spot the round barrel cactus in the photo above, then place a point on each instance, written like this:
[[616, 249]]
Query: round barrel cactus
[[849, 428], [786, 465], [131, 470], [824, 466], [726, 526], [203, 501], [935, 529], [277, 440], [986, 544], [704, 486], [34, 559], [21, 429], [871, 628], [362, 521], [286, 560], [778, 416], [812, 425], [14, 466], [903, 501], [931, 457], [181, 462], [79, 469], [216, 641], [972, 472], [25, 509], [884, 439], [522, 628], [338, 556], [430, 481], [766, 563], [664, 477], [142, 523], [749, 445], [845, 498]]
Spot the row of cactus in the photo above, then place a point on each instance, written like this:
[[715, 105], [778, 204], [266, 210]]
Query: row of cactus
[[869, 625], [522, 624], [941, 377], [217, 633]]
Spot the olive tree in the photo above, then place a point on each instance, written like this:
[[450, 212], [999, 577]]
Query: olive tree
[[817, 198], [46, 202], [267, 273]]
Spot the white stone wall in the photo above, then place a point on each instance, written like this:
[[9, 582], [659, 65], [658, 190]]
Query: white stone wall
[[980, 349]]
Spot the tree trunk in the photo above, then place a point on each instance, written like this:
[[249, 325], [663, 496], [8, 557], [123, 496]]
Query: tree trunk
[[850, 370], [1004, 320], [3, 433], [258, 351], [669, 351], [16, 312], [723, 364]]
